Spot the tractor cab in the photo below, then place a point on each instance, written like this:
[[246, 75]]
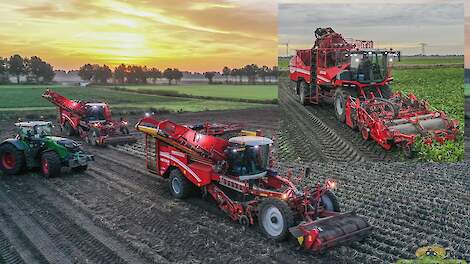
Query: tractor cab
[[34, 129], [370, 66], [248, 157]]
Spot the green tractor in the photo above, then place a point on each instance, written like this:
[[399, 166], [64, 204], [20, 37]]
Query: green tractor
[[36, 147]]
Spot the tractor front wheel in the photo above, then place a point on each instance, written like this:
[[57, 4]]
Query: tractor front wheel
[[50, 164], [180, 186], [12, 160], [275, 218]]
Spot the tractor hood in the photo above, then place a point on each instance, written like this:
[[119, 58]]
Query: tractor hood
[[68, 143]]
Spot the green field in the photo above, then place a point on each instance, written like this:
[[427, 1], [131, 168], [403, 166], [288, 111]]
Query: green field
[[407, 60], [430, 60], [17, 98], [249, 92]]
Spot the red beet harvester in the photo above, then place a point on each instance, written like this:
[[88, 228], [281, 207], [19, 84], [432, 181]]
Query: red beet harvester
[[92, 121], [235, 173], [358, 77]]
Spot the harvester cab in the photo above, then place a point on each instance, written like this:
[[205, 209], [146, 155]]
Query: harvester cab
[[97, 112], [248, 157], [369, 66]]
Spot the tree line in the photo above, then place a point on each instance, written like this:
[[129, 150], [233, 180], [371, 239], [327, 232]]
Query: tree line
[[133, 74], [35, 69], [136, 74]]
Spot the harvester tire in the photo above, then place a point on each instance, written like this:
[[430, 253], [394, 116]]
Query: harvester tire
[[50, 164], [303, 89], [340, 104], [93, 136], [12, 160], [275, 218], [180, 186], [80, 169], [330, 202]]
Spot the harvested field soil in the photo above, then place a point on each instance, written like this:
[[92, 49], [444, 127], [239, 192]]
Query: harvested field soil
[[117, 212]]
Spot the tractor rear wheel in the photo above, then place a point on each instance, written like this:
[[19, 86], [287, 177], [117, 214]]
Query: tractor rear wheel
[[12, 160], [180, 186], [275, 218], [329, 202], [50, 164]]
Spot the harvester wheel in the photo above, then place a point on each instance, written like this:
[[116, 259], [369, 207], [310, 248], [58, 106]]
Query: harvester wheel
[[80, 169], [275, 218], [93, 136], [330, 202], [50, 164], [12, 160], [180, 186], [303, 89], [340, 104]]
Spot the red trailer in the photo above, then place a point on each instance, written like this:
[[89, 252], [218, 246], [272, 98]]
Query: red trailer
[[92, 121], [235, 172], [358, 78]]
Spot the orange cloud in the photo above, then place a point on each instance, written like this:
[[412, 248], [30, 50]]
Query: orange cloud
[[190, 35]]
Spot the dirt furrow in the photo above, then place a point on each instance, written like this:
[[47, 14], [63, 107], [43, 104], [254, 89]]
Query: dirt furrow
[[338, 142], [67, 235], [331, 145]]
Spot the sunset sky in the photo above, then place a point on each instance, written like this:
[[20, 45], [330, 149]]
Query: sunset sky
[[190, 35], [399, 24]]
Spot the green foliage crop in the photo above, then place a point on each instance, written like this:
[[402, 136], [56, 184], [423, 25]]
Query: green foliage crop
[[448, 152]]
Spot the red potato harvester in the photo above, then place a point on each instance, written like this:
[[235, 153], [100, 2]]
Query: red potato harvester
[[358, 77], [91, 121], [235, 173]]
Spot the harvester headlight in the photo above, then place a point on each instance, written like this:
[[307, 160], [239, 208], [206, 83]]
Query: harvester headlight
[[284, 196], [330, 184], [147, 114]]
